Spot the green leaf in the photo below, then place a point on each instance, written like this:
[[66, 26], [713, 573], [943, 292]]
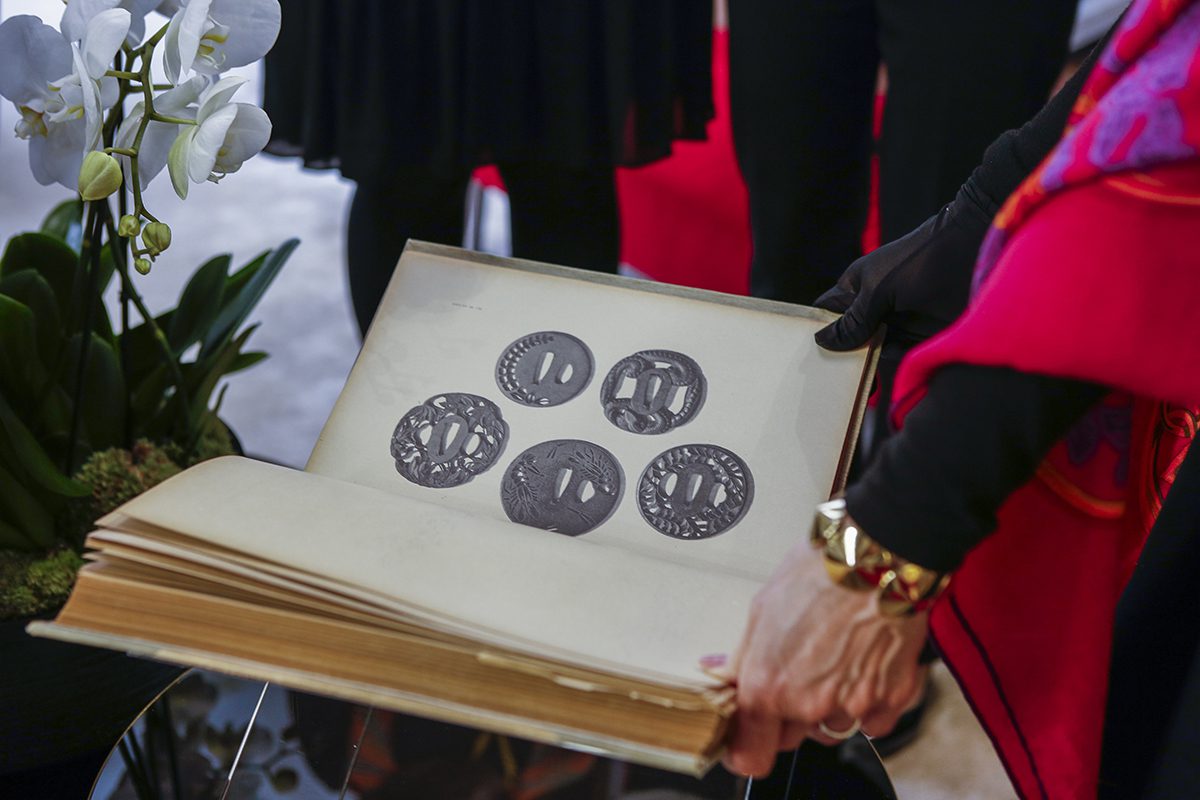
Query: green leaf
[[142, 352], [21, 369], [199, 304], [149, 396], [55, 445], [11, 538], [101, 324], [54, 415], [206, 373], [238, 280], [26, 513], [18, 447], [245, 361], [58, 264], [49, 257], [103, 398], [245, 295], [31, 289], [108, 268], [65, 223]]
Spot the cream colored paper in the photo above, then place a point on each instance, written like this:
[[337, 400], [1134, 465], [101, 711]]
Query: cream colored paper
[[595, 606], [774, 397]]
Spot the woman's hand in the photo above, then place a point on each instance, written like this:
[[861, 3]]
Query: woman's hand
[[916, 285], [814, 652]]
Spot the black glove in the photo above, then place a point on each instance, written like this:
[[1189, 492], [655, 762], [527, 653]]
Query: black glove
[[916, 285]]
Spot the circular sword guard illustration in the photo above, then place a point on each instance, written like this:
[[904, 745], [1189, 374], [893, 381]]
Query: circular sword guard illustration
[[695, 491], [448, 439], [653, 391], [544, 369], [565, 485]]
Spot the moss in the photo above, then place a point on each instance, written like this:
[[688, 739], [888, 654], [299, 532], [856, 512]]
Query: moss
[[32, 584], [215, 442], [116, 476]]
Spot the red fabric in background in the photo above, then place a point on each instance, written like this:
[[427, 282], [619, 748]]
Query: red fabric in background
[[685, 219], [489, 176]]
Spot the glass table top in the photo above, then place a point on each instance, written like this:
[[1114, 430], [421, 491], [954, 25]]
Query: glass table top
[[215, 737]]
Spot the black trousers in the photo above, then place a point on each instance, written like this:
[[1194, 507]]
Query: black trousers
[[802, 79], [1152, 722], [560, 215]]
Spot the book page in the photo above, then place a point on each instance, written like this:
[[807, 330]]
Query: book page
[[741, 385], [597, 607]]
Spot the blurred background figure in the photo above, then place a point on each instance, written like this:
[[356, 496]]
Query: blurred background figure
[[803, 75], [407, 98]]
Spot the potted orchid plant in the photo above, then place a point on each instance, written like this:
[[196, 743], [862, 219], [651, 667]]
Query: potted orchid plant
[[97, 407]]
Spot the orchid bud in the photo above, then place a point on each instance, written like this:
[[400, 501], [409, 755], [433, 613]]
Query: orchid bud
[[99, 176], [142, 265], [156, 237], [129, 226]]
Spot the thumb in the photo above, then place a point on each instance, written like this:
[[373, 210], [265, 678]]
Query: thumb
[[836, 299], [849, 332]]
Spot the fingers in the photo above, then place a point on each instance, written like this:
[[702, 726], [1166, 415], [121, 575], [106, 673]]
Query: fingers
[[843, 298], [881, 722], [793, 735], [813, 653], [836, 729], [836, 299], [753, 744], [884, 716], [902, 696], [849, 332], [719, 666]]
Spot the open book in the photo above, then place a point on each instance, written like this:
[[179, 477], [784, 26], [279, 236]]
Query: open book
[[541, 497]]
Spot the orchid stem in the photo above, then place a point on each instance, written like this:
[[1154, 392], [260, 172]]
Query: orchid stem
[[129, 291], [123, 75], [118, 247], [172, 120], [147, 53], [89, 260], [148, 47], [121, 151]]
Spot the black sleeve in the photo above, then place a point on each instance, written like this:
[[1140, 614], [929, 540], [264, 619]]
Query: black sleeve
[[1016, 153], [933, 490]]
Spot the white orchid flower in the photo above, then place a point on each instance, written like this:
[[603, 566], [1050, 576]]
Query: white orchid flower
[[224, 136], [32, 56], [55, 89], [211, 36], [86, 91], [80, 12], [157, 140]]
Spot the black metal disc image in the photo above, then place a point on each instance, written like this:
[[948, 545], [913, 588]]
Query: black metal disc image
[[567, 486], [544, 369], [653, 391], [695, 491], [448, 440]]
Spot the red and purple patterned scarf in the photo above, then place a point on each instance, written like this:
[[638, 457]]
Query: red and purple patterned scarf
[[1139, 108], [1026, 624]]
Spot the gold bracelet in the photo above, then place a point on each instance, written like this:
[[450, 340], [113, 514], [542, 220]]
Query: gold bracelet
[[856, 561]]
